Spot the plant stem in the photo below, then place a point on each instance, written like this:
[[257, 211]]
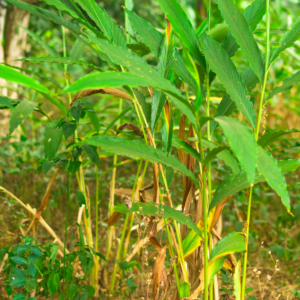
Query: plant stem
[[132, 216], [66, 227], [256, 138], [113, 279], [97, 230], [112, 191]]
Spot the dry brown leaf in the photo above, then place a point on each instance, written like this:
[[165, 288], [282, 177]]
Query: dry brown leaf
[[112, 91], [113, 219], [158, 271], [129, 126], [181, 154], [128, 192], [218, 211]]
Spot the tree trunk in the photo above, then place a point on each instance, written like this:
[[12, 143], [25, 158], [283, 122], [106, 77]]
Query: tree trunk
[[14, 39]]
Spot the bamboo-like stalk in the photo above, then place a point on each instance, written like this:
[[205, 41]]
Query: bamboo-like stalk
[[113, 279], [256, 134], [112, 193], [132, 216], [66, 228]]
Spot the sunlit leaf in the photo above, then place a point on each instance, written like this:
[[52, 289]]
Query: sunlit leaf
[[242, 143]]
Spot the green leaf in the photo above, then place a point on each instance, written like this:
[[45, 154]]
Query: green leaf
[[19, 260], [19, 297], [114, 79], [36, 251], [54, 250], [23, 109], [80, 198], [227, 106], [235, 183], [253, 14], [126, 265], [90, 290], [183, 28], [33, 258], [4, 101], [81, 237], [270, 136], [53, 283], [227, 73], [214, 267], [146, 107], [36, 38], [19, 273], [76, 112], [60, 60], [230, 243], [17, 282], [211, 154], [92, 154], [107, 25], [184, 291], [63, 7], [288, 39], [68, 129], [159, 99], [9, 290], [71, 290], [229, 160], [191, 242], [242, 143], [241, 30], [151, 37], [121, 146], [178, 66], [46, 14], [52, 140], [81, 295], [32, 270], [287, 84], [14, 76], [237, 281], [192, 69], [267, 165], [160, 210], [46, 166]]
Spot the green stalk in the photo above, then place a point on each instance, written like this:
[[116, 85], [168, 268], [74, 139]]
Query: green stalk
[[209, 138], [262, 96], [66, 230], [113, 279], [173, 255], [97, 229], [132, 216], [112, 190]]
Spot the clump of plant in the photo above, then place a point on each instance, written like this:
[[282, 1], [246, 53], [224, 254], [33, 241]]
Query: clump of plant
[[32, 271], [176, 94]]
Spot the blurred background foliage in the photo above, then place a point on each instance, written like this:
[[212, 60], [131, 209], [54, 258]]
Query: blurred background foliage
[[20, 154]]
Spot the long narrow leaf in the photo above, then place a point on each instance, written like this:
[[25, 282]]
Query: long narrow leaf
[[267, 165], [241, 31], [183, 27], [40, 12], [253, 14], [227, 73], [121, 146], [242, 143], [287, 84], [14, 76], [288, 39], [235, 183]]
